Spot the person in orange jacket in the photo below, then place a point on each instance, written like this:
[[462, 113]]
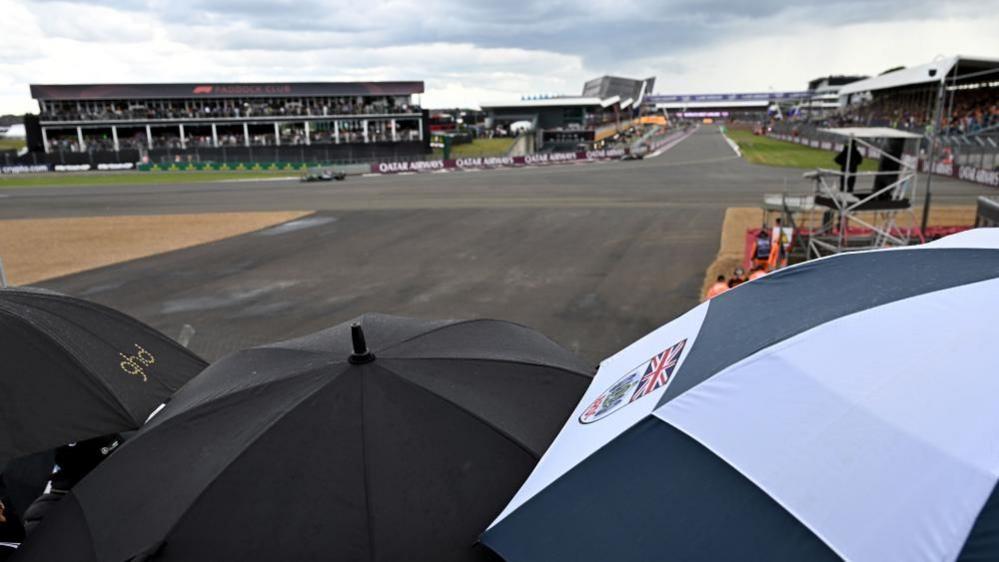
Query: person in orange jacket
[[761, 248], [719, 287], [779, 242]]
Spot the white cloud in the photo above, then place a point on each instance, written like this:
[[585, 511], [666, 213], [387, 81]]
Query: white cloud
[[92, 24], [468, 53], [786, 56]]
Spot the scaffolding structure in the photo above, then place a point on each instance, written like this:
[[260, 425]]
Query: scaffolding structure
[[864, 220]]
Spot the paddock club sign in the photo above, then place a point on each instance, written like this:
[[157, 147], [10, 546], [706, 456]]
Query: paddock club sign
[[243, 90], [495, 161]]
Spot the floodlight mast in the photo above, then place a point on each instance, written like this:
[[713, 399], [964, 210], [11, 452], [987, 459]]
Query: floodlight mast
[[938, 116]]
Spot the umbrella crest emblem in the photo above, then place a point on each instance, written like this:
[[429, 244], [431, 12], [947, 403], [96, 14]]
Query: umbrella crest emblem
[[641, 381], [135, 365]]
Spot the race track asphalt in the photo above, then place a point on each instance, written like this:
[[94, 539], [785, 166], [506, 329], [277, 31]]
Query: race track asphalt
[[593, 255]]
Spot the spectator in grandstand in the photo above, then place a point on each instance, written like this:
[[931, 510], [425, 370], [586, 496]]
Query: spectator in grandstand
[[719, 287], [235, 107], [971, 110], [849, 160]]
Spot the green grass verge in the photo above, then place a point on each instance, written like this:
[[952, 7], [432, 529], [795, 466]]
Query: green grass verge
[[773, 152], [12, 144], [478, 147], [59, 179]]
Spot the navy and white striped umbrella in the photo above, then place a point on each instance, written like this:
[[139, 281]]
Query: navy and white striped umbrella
[[846, 407]]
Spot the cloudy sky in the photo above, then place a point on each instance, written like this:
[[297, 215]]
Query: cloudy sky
[[468, 51]]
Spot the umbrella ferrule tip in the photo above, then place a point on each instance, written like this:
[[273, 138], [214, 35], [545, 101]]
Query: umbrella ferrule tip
[[361, 353]]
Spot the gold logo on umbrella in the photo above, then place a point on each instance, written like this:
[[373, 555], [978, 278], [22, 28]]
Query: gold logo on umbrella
[[135, 365]]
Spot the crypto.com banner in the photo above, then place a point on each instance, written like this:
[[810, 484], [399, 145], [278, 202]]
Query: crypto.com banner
[[38, 168]]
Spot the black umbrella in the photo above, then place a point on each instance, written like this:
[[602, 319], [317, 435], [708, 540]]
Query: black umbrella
[[71, 370], [24, 479], [320, 449]]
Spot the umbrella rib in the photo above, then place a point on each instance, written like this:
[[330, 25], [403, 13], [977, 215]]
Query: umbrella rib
[[191, 407], [108, 311], [83, 368], [474, 320], [428, 332], [493, 360], [135, 323], [364, 475], [470, 413], [147, 330]]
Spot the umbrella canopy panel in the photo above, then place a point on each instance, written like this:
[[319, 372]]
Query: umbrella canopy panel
[[71, 370]]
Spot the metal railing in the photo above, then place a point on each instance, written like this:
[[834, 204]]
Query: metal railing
[[979, 150], [988, 212]]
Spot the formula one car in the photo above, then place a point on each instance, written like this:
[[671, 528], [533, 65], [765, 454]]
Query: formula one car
[[323, 174], [635, 153]]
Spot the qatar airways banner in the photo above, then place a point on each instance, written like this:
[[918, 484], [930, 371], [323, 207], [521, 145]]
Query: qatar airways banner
[[966, 173], [484, 162]]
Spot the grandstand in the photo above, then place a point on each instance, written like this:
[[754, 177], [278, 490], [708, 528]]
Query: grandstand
[[820, 99], [627, 91], [607, 105], [905, 98], [824, 98], [957, 97], [315, 121], [740, 106]]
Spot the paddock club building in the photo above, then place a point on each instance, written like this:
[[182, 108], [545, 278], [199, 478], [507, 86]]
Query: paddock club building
[[249, 122]]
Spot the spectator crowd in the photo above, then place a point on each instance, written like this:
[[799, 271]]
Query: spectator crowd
[[966, 111], [199, 108], [195, 136]]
